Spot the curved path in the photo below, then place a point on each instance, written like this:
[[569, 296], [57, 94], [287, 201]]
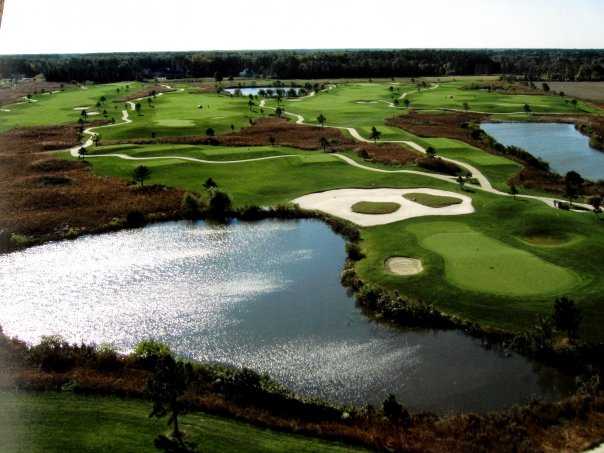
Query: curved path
[[484, 183]]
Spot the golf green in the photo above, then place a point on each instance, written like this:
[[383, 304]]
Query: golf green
[[475, 262]]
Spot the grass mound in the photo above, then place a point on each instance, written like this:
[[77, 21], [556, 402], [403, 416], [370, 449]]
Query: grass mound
[[374, 208], [432, 201]]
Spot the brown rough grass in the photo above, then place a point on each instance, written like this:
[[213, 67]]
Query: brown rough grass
[[16, 93], [50, 198]]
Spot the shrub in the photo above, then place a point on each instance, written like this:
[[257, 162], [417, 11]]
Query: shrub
[[395, 412], [440, 166], [354, 251], [52, 354], [149, 352], [107, 359], [220, 205], [567, 317], [135, 219], [192, 207]]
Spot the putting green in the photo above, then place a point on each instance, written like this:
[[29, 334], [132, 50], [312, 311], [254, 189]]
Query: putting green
[[175, 123], [476, 262]]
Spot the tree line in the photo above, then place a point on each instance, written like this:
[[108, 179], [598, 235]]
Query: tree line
[[311, 64]]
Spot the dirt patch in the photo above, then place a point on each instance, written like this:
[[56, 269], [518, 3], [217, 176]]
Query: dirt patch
[[404, 266], [48, 198]]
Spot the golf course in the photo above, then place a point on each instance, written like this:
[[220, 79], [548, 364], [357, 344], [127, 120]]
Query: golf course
[[486, 265]]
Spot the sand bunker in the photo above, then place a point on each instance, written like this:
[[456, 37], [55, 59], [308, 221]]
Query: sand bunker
[[403, 266], [339, 203], [81, 108]]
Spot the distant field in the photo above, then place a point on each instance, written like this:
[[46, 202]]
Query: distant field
[[590, 91]]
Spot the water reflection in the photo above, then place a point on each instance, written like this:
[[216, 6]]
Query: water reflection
[[264, 295]]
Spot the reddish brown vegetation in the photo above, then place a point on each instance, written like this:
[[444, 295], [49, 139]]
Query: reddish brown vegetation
[[570, 425], [438, 125], [293, 135], [21, 89], [51, 198]]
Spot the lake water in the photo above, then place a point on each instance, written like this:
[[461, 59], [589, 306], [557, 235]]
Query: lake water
[[264, 295], [254, 90], [561, 145]]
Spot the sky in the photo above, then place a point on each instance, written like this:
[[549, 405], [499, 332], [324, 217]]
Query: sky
[[79, 26]]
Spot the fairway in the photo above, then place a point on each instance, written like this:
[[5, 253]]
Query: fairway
[[46, 422], [478, 263]]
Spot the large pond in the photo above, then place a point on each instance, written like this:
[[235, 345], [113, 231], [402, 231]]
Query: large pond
[[255, 90], [561, 145], [264, 295]]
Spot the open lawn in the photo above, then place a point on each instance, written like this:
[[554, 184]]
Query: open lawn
[[58, 108], [452, 95], [53, 422], [179, 113]]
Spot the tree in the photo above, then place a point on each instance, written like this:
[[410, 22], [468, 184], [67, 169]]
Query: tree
[[321, 119], [461, 181], [232, 128], [84, 114], [272, 140], [431, 152], [82, 153], [407, 102], [220, 205], [574, 103], [567, 317], [140, 174], [210, 132], [166, 387], [527, 108], [466, 106], [96, 138], [138, 107], [218, 77], [513, 191], [324, 143], [250, 104], [279, 112], [573, 185], [596, 203], [545, 87], [395, 412], [210, 184], [375, 134]]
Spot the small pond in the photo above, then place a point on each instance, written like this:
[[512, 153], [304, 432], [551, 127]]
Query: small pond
[[561, 145], [264, 295], [255, 90]]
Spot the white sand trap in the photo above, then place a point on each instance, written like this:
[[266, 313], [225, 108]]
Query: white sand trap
[[403, 266], [4, 110], [81, 108], [339, 203], [93, 113], [366, 102]]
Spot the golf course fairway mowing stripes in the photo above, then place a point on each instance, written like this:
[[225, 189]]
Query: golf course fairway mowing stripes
[[476, 262]]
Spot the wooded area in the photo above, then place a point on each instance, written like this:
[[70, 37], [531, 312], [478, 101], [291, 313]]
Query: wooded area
[[559, 65]]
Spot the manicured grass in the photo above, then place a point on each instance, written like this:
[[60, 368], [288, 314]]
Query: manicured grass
[[478, 263], [500, 223], [178, 113], [49, 422], [370, 207], [452, 95], [59, 108], [432, 201]]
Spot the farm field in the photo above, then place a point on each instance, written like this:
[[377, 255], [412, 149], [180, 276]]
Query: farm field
[[589, 91]]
